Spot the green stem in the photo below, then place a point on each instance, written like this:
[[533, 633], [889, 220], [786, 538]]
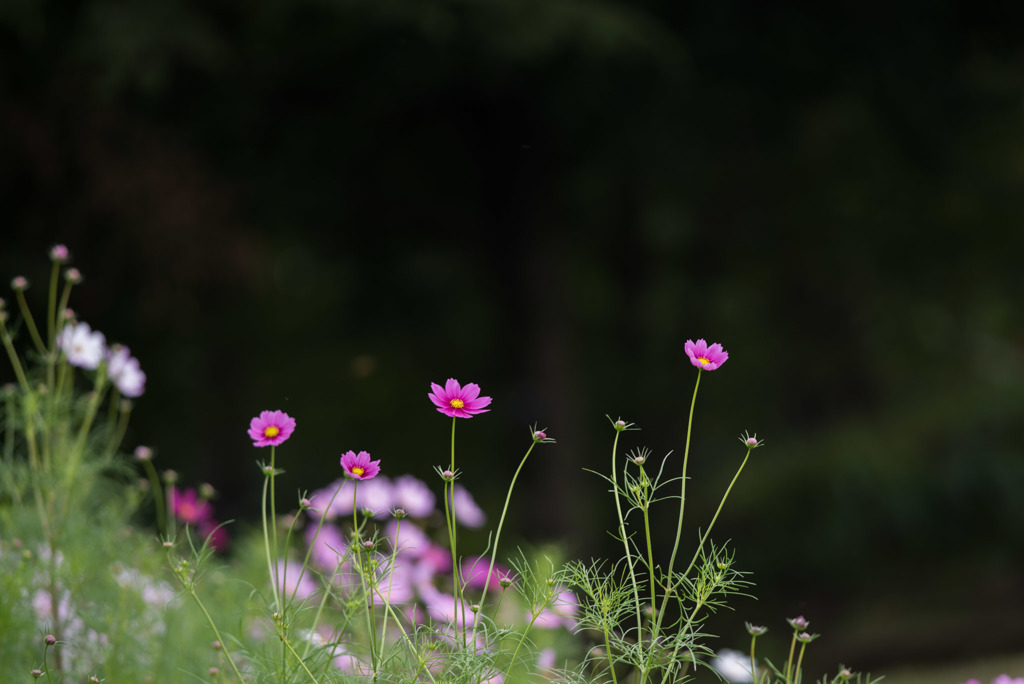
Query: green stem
[[647, 534], [30, 322], [158, 496], [13, 356], [753, 670], [622, 534], [789, 663], [800, 660], [216, 632], [497, 534], [679, 526], [271, 570], [316, 535]]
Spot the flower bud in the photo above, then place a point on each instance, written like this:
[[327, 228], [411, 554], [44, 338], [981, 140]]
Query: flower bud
[[19, 283], [50, 639], [505, 581], [620, 425], [639, 460], [367, 544], [168, 545], [170, 476], [143, 453], [214, 671], [59, 253], [73, 276], [399, 513], [206, 490], [805, 638], [447, 476], [305, 503], [755, 630], [37, 673], [215, 646], [798, 623]]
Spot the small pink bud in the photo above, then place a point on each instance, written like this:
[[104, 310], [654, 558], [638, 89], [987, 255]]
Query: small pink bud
[[448, 475], [539, 436], [59, 253], [73, 275], [215, 645], [168, 545], [143, 453], [19, 283], [305, 503], [37, 673], [50, 639], [399, 513], [214, 671], [639, 460], [367, 544]]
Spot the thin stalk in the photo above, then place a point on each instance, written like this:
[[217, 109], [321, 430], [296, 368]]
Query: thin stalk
[[391, 578], [13, 356], [800, 660], [266, 536], [679, 526], [622, 533], [158, 496], [316, 535], [789, 663], [497, 534], [216, 632], [753, 670], [30, 323]]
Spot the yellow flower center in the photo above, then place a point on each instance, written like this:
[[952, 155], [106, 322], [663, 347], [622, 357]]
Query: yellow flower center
[[703, 361], [357, 471], [271, 431], [457, 403]]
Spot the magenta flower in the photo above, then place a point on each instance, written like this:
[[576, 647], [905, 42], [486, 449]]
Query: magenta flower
[[359, 466], [458, 402], [271, 428], [703, 356], [188, 507], [474, 572]]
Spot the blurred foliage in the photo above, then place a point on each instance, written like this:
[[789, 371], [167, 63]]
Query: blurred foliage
[[323, 205]]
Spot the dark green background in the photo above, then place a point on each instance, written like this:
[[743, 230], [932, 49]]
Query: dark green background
[[323, 205]]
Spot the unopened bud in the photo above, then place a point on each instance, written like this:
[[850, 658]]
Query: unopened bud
[[170, 476], [143, 453], [399, 513], [19, 283], [73, 276], [59, 253], [798, 623], [539, 436], [50, 639], [367, 544], [505, 581]]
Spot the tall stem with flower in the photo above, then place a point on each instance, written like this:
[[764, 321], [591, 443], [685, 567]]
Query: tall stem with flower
[[456, 401]]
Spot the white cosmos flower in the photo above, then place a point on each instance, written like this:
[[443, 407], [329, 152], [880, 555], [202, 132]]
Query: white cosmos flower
[[734, 666], [125, 372], [82, 346]]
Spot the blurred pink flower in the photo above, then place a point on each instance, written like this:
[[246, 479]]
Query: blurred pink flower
[[359, 466], [561, 613], [188, 507], [217, 534], [271, 428], [328, 549], [292, 584], [474, 572], [123, 369], [466, 510], [456, 401], [83, 347], [414, 496], [1007, 679], [703, 356], [410, 542]]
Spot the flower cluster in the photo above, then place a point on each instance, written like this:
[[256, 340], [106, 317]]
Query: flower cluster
[[86, 348]]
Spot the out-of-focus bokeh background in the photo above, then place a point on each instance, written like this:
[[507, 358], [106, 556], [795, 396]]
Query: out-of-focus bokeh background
[[323, 205]]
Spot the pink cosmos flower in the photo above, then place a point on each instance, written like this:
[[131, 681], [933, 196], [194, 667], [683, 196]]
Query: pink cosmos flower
[[188, 507], [456, 401], [703, 356], [1007, 679], [474, 572], [124, 371], [359, 466], [561, 613], [466, 510], [414, 496], [271, 428]]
